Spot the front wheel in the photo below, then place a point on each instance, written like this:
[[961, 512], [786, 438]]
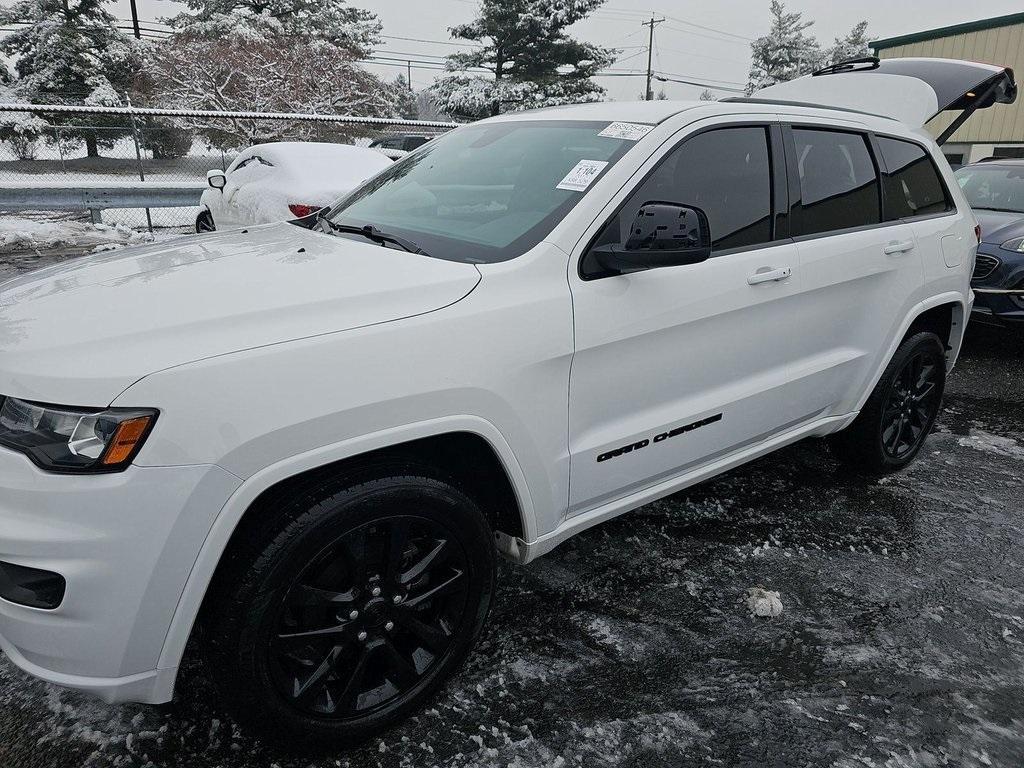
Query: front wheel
[[205, 223], [354, 611], [892, 426]]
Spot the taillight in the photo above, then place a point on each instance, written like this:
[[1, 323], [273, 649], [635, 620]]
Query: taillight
[[977, 232], [300, 209]]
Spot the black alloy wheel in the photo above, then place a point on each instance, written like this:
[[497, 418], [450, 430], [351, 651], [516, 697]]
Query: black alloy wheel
[[340, 609], [205, 223], [912, 404], [893, 424], [369, 617]]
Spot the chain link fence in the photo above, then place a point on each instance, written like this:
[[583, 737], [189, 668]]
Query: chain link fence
[[60, 145]]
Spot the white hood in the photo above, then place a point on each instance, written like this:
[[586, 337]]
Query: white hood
[[81, 332]]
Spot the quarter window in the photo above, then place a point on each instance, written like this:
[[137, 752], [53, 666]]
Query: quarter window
[[726, 173], [838, 183], [912, 184]]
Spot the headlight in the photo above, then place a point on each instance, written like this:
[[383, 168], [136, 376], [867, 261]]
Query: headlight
[[62, 439], [1017, 244]]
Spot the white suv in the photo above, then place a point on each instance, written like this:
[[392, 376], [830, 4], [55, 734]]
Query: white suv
[[309, 439]]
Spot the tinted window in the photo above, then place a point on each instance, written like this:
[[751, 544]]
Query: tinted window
[[838, 183], [726, 173], [912, 185]]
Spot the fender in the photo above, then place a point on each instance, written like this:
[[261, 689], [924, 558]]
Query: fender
[[949, 297], [236, 506]]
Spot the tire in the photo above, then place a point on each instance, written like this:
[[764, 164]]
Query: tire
[[895, 421], [205, 223], [315, 633]]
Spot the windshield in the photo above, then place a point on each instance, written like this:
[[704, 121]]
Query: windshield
[[993, 187], [485, 193]]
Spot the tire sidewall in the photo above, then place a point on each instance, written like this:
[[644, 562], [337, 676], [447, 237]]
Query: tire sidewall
[[918, 342], [255, 609]]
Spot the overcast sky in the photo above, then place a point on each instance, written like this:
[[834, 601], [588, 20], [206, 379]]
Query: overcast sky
[[682, 50]]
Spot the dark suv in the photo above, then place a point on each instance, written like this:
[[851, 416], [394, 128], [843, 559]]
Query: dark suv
[[995, 190]]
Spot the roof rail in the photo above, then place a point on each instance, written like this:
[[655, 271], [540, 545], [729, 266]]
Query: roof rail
[[780, 102]]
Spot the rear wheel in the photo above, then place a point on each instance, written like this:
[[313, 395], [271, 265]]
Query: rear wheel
[[891, 428], [204, 222], [351, 615]]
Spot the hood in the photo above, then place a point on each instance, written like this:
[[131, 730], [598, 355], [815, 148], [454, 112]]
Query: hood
[[999, 226], [81, 332]]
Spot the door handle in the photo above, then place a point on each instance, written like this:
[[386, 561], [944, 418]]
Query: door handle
[[898, 247], [769, 275]]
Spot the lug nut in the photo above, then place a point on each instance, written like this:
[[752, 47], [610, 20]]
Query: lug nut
[[354, 615], [362, 636], [389, 626], [396, 599], [375, 591]]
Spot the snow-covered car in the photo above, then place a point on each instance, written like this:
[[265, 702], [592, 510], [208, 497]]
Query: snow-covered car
[[309, 440], [284, 180]]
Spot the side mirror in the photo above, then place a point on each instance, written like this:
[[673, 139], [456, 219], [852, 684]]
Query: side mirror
[[661, 235], [216, 179]]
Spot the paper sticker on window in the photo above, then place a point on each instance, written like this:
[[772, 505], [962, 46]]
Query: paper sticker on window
[[579, 178], [627, 131]]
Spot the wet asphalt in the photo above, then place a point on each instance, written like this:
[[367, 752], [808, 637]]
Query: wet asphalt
[[901, 641]]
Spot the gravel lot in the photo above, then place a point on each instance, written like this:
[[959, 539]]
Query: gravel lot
[[901, 642]]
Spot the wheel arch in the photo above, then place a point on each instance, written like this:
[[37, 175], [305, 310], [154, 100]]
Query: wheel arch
[[945, 314], [487, 470]]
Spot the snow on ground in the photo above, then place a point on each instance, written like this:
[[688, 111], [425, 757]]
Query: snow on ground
[[23, 233]]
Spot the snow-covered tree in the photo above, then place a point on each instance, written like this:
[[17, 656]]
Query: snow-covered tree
[[707, 95], [529, 58], [405, 99], [71, 52], [21, 130], [853, 46], [295, 56], [786, 52]]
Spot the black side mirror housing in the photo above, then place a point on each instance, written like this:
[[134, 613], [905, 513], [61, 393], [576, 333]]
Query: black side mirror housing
[[662, 235]]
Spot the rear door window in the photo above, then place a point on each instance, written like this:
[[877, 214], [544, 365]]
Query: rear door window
[[838, 182], [912, 183]]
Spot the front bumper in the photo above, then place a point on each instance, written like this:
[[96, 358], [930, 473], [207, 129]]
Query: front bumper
[[125, 543], [999, 295]]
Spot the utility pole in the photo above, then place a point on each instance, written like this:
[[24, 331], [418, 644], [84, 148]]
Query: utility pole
[[648, 93], [135, 21], [408, 70]]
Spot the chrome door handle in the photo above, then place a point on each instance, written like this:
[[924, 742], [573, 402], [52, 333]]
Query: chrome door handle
[[901, 247], [768, 275]]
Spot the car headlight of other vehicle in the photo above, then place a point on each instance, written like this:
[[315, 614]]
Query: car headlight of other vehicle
[[74, 440], [1017, 244]]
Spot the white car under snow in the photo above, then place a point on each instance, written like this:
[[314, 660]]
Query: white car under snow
[[284, 180]]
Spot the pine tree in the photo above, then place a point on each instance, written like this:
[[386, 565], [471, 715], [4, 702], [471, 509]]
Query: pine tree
[[853, 46], [405, 99], [531, 60], [71, 52], [785, 52], [707, 95]]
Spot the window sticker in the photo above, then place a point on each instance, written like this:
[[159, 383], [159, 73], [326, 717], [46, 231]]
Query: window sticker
[[579, 178], [627, 131]]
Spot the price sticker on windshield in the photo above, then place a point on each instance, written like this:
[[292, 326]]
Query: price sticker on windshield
[[579, 178], [627, 131]]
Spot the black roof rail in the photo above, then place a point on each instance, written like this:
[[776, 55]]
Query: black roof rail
[[813, 105]]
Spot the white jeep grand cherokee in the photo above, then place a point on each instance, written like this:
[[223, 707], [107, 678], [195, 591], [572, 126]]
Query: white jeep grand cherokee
[[309, 439]]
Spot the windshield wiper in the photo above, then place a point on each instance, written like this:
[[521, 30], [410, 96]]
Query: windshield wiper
[[370, 232], [999, 210]]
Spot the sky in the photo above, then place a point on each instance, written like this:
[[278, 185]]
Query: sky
[[707, 42]]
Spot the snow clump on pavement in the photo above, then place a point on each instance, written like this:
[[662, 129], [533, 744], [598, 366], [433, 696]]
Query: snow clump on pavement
[[763, 602]]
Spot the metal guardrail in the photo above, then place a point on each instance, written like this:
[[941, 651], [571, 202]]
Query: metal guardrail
[[95, 197]]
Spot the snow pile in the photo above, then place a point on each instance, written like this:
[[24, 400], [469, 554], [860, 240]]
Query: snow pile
[[26, 234], [763, 602], [985, 441]]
